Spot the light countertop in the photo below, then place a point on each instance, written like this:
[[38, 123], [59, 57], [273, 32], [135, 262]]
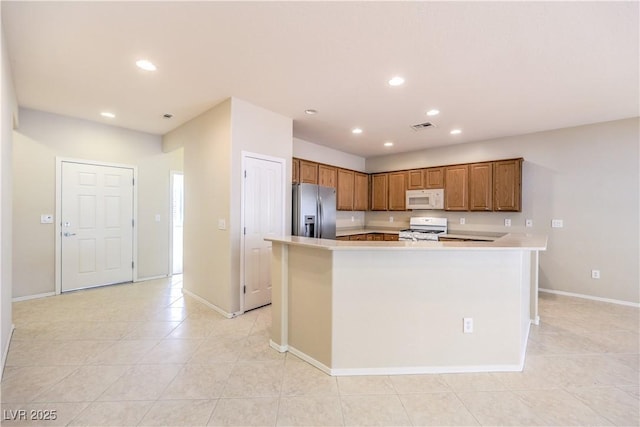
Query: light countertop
[[508, 241]]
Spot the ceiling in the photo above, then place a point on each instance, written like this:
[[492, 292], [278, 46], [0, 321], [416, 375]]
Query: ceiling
[[493, 69]]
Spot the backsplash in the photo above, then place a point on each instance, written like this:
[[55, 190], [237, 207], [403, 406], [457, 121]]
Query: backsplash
[[350, 219], [474, 221]]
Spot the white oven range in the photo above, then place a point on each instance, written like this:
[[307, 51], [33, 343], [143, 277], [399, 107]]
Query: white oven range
[[424, 228]]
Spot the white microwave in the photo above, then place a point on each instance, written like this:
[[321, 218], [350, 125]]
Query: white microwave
[[425, 199]]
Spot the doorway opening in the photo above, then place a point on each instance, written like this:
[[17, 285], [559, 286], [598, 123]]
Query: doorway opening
[[177, 221]]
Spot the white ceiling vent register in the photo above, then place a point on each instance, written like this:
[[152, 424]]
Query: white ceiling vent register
[[421, 126]]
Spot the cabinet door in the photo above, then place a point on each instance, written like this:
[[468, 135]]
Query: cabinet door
[[308, 172], [456, 188], [507, 185], [360, 191], [358, 237], [434, 178], [415, 179], [481, 186], [327, 176], [295, 171], [397, 191], [391, 237], [379, 192], [345, 190]]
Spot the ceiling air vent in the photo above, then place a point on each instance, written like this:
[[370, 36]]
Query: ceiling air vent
[[424, 125]]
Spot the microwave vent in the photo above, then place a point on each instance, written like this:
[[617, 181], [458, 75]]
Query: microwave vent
[[421, 126]]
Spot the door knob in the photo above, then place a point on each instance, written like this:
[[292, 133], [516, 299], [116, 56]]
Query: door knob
[[67, 234]]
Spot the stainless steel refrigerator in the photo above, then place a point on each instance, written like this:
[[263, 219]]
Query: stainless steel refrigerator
[[314, 211]]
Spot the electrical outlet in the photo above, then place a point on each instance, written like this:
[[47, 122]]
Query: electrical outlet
[[595, 274], [528, 223], [467, 325], [462, 221], [390, 219], [557, 223], [507, 222], [353, 219]]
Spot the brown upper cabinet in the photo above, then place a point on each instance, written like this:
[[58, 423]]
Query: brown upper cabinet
[[481, 186], [308, 172], [327, 176], [415, 179], [507, 185], [397, 191], [345, 190], [379, 191], [434, 178], [295, 171], [456, 188], [485, 186], [360, 191]]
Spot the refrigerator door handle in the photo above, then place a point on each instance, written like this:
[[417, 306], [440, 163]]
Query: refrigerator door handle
[[321, 217]]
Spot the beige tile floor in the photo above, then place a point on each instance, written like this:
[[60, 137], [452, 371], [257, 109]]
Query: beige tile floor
[[144, 354]]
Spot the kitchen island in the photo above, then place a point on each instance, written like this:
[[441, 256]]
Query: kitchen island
[[372, 307]]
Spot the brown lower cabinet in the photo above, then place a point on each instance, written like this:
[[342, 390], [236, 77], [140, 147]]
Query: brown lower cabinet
[[371, 237]]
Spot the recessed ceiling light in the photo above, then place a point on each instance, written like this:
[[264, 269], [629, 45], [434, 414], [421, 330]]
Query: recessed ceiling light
[[108, 115], [388, 144], [396, 81], [433, 112], [310, 111], [356, 130], [455, 132], [146, 65]]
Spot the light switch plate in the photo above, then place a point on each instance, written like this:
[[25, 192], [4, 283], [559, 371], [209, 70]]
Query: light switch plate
[[507, 222], [222, 224], [462, 221], [46, 219], [557, 223]]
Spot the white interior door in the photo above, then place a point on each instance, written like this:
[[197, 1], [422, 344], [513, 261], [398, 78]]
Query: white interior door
[[96, 218], [263, 216]]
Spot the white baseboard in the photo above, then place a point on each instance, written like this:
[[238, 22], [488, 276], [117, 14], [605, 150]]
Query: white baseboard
[[144, 279], [278, 347], [409, 370], [589, 297], [28, 297], [208, 304], [324, 368], [5, 351]]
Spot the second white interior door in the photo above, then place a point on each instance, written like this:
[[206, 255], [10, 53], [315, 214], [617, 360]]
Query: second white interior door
[[263, 216]]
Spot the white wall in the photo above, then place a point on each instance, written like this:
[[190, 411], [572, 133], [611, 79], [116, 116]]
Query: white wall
[[9, 117], [587, 176], [257, 131], [318, 153], [207, 181], [39, 139], [213, 143]]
